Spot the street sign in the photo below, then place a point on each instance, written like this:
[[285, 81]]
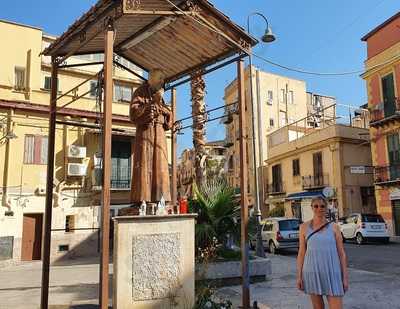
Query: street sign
[[357, 169]]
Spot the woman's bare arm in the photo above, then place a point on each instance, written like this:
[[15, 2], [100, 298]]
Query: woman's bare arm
[[342, 256], [300, 255]]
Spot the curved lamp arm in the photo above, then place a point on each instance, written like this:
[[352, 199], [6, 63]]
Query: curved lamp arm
[[256, 14]]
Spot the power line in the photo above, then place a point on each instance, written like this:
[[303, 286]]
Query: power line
[[298, 70]]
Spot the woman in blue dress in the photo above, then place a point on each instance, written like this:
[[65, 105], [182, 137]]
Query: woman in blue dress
[[321, 261]]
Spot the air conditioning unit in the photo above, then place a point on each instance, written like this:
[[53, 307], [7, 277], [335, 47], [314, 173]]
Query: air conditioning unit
[[77, 169], [76, 152]]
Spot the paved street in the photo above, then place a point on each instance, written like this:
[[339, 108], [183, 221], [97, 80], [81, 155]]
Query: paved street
[[371, 286], [374, 282]]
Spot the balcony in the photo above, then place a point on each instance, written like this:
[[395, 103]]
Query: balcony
[[276, 188], [386, 175], [315, 182], [381, 117]]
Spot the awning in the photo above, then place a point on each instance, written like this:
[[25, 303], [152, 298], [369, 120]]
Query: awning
[[304, 195]]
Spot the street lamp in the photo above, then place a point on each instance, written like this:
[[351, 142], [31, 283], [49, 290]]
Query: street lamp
[[268, 37]]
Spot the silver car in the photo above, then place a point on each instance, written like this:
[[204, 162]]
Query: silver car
[[279, 233]]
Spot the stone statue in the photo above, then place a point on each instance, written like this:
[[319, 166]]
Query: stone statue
[[152, 117]]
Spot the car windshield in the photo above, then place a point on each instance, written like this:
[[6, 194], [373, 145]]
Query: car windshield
[[372, 218], [289, 225]]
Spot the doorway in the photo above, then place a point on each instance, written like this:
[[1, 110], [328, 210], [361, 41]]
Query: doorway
[[396, 217], [32, 237]]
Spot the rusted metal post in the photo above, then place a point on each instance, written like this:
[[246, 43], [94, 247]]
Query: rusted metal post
[[173, 150], [243, 190], [107, 121], [44, 301]]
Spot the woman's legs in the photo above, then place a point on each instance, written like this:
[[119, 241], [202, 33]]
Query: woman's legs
[[335, 302], [317, 301]]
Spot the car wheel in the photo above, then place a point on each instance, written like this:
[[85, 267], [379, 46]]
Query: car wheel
[[359, 239], [272, 248], [343, 239]]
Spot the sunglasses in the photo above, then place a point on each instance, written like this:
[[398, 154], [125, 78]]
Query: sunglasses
[[322, 206]]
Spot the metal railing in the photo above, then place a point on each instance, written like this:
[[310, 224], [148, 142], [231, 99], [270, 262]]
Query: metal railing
[[276, 187], [380, 114], [315, 181], [387, 173]]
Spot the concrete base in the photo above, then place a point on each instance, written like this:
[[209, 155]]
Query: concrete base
[[154, 262], [229, 273]]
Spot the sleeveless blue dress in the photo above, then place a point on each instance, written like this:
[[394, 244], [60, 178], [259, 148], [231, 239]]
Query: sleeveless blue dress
[[322, 274]]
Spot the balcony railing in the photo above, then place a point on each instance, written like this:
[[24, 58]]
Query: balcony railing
[[315, 182], [276, 188], [387, 174], [379, 116]]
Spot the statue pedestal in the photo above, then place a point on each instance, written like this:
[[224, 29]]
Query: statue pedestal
[[154, 262]]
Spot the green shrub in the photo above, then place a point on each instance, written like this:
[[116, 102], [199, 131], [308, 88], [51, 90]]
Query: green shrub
[[217, 213]]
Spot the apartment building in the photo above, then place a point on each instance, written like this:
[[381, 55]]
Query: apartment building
[[303, 160], [24, 111], [382, 79], [278, 101]]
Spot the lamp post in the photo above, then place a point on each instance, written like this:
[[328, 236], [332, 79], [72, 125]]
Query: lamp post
[[268, 37]]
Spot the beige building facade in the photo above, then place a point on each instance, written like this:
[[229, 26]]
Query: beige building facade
[[278, 101], [24, 111], [303, 161]]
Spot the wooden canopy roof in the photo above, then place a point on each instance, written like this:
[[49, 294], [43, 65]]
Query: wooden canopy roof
[[156, 34]]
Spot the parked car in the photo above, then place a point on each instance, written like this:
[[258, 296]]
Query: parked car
[[364, 227], [279, 233]]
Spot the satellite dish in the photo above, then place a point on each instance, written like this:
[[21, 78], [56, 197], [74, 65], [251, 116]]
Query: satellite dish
[[328, 192]]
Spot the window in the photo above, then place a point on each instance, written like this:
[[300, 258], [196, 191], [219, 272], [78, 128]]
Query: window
[[277, 178], [271, 122], [47, 83], [318, 171], [93, 88], [35, 149], [20, 78], [121, 164], [290, 97], [289, 225], [63, 248], [282, 95], [388, 94], [69, 224], [393, 146], [270, 97], [122, 93], [296, 167]]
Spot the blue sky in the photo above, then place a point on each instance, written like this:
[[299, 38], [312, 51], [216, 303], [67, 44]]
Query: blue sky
[[322, 36]]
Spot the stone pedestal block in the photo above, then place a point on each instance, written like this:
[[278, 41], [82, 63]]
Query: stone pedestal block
[[154, 262]]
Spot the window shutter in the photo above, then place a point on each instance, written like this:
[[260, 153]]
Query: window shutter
[[43, 150], [29, 149]]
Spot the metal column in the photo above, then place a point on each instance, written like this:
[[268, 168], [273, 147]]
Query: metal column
[[243, 189], [44, 301], [173, 150], [107, 129]]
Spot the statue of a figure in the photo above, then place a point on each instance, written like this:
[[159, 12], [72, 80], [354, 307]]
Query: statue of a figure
[[152, 117]]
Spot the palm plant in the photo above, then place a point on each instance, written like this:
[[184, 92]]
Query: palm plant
[[217, 213]]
